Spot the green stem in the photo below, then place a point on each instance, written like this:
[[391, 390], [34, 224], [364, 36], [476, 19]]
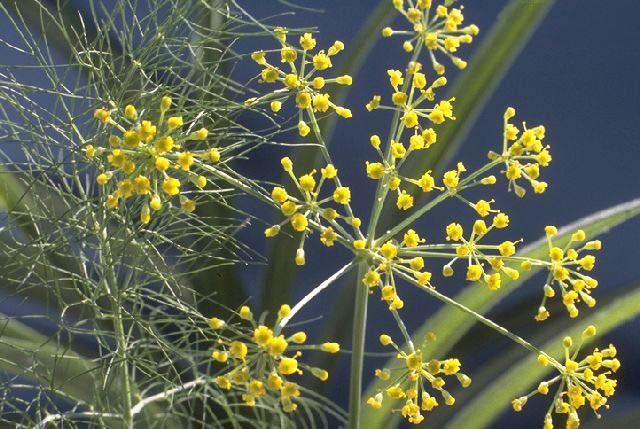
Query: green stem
[[358, 343], [114, 293], [362, 293], [491, 324]]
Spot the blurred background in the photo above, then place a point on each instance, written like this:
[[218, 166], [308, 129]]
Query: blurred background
[[578, 75]]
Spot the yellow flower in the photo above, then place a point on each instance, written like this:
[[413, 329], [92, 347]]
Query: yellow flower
[[288, 366], [330, 347], [171, 186], [175, 122], [342, 195], [405, 201], [321, 102], [321, 61], [375, 170], [454, 232], [299, 222], [307, 41], [474, 272], [262, 335], [328, 236], [238, 350], [307, 182]]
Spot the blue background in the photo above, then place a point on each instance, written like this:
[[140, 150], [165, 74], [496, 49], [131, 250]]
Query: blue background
[[578, 76]]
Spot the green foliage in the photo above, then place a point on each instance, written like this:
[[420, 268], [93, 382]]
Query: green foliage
[[109, 328]]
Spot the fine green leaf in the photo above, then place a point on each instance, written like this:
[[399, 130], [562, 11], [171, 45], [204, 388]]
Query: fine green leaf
[[473, 88], [55, 32], [25, 351], [521, 378], [280, 271], [450, 325], [222, 279]]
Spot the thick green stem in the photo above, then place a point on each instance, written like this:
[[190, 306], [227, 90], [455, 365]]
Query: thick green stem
[[357, 354], [361, 292]]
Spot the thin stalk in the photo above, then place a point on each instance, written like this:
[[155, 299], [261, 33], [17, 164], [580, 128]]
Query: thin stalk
[[491, 324], [425, 208], [304, 301], [113, 291], [362, 293]]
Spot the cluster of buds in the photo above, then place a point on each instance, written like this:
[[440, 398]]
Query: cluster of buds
[[410, 92], [438, 30], [581, 382], [477, 255], [391, 256], [309, 211], [566, 266], [410, 381], [301, 82], [260, 361], [152, 160], [523, 154]]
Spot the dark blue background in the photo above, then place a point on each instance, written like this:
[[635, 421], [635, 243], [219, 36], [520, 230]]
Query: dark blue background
[[578, 75]]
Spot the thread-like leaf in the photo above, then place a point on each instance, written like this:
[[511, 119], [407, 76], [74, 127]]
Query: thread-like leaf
[[26, 352]]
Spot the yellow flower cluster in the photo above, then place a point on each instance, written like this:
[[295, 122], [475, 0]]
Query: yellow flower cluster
[[410, 381], [565, 265], [148, 159], [410, 92], [581, 382], [300, 81], [260, 360], [438, 29], [523, 154], [309, 211], [390, 256], [476, 254]]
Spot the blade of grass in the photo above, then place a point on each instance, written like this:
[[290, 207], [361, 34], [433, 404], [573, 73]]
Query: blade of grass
[[502, 355], [27, 352], [450, 325]]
